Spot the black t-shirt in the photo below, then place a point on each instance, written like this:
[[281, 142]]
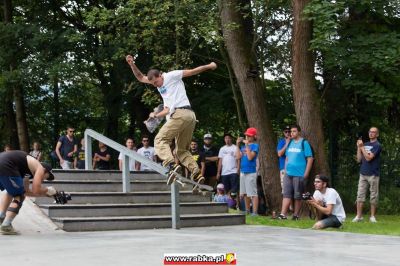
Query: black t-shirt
[[211, 167], [80, 164], [103, 165], [371, 167], [198, 157], [14, 163], [66, 147]]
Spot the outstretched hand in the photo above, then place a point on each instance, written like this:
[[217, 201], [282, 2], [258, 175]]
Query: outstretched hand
[[129, 59], [213, 65]]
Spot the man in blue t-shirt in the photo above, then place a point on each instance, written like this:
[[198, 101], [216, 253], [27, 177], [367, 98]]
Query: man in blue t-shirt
[[281, 150], [299, 159], [247, 154], [368, 154]]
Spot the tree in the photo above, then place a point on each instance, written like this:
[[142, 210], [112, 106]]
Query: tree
[[238, 34], [306, 100]]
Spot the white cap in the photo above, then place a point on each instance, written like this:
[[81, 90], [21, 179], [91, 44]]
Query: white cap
[[220, 186], [208, 136]]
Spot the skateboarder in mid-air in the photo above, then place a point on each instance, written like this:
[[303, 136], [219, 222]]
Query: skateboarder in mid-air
[[181, 119], [15, 167]]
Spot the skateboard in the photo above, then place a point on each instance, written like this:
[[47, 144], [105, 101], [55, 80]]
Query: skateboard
[[197, 187]]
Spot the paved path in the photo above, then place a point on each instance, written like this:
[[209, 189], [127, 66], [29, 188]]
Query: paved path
[[41, 244], [254, 245]]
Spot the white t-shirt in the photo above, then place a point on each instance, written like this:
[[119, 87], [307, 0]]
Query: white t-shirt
[[132, 162], [173, 91], [227, 154], [149, 154], [332, 197]]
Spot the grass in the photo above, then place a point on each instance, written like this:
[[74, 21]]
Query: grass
[[386, 225]]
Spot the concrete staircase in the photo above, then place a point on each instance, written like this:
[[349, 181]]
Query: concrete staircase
[[98, 203]]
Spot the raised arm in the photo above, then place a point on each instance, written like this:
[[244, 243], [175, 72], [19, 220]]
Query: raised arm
[[198, 70], [138, 74]]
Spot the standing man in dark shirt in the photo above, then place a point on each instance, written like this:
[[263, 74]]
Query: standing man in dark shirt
[[66, 148], [101, 159], [15, 167], [211, 158], [198, 156], [368, 154]]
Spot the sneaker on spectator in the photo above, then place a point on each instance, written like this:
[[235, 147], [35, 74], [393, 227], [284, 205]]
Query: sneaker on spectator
[[372, 219], [282, 217], [357, 219], [295, 218], [253, 214]]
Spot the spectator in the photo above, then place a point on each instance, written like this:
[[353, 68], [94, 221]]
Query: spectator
[[7, 147], [211, 159], [66, 148], [248, 173], [146, 151], [79, 162], [326, 200], [368, 154], [101, 159], [299, 159], [198, 157], [36, 152], [228, 165], [130, 144], [281, 149], [221, 196]]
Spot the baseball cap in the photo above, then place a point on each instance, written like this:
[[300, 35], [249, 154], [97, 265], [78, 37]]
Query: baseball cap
[[208, 136], [220, 186], [286, 128], [251, 131], [48, 169], [323, 178]]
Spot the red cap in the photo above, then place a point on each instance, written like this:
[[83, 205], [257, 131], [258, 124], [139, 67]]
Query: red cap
[[251, 131]]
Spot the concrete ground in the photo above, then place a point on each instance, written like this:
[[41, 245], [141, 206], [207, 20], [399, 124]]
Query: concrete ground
[[41, 244]]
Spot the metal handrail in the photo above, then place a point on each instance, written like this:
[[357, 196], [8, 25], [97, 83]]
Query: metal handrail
[[127, 155]]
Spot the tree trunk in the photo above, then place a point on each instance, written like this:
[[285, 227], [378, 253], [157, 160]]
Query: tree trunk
[[22, 127], [238, 35], [306, 100]]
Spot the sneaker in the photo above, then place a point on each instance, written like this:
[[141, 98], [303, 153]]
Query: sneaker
[[356, 219], [372, 219], [198, 178], [8, 230], [295, 217], [253, 214], [173, 170], [282, 217]]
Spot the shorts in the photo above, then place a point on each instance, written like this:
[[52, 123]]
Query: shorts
[[14, 185], [231, 182], [248, 184], [293, 187], [364, 182], [331, 221]]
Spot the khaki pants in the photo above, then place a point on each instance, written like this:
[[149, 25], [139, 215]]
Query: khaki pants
[[180, 128], [364, 182]]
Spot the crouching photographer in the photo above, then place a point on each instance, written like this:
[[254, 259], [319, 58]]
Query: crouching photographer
[[328, 204]]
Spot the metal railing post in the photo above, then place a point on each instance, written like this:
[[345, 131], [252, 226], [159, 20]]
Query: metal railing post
[[126, 179], [88, 152], [175, 207]]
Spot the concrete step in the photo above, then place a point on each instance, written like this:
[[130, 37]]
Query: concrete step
[[71, 224], [129, 209], [104, 175], [133, 197], [110, 185]]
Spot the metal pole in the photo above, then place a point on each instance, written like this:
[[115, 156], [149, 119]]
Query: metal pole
[[126, 180], [175, 207], [88, 152]]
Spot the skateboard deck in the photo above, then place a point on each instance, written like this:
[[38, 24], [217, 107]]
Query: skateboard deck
[[183, 180]]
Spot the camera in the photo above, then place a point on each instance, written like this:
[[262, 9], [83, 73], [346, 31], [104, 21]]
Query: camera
[[61, 197], [306, 196]]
